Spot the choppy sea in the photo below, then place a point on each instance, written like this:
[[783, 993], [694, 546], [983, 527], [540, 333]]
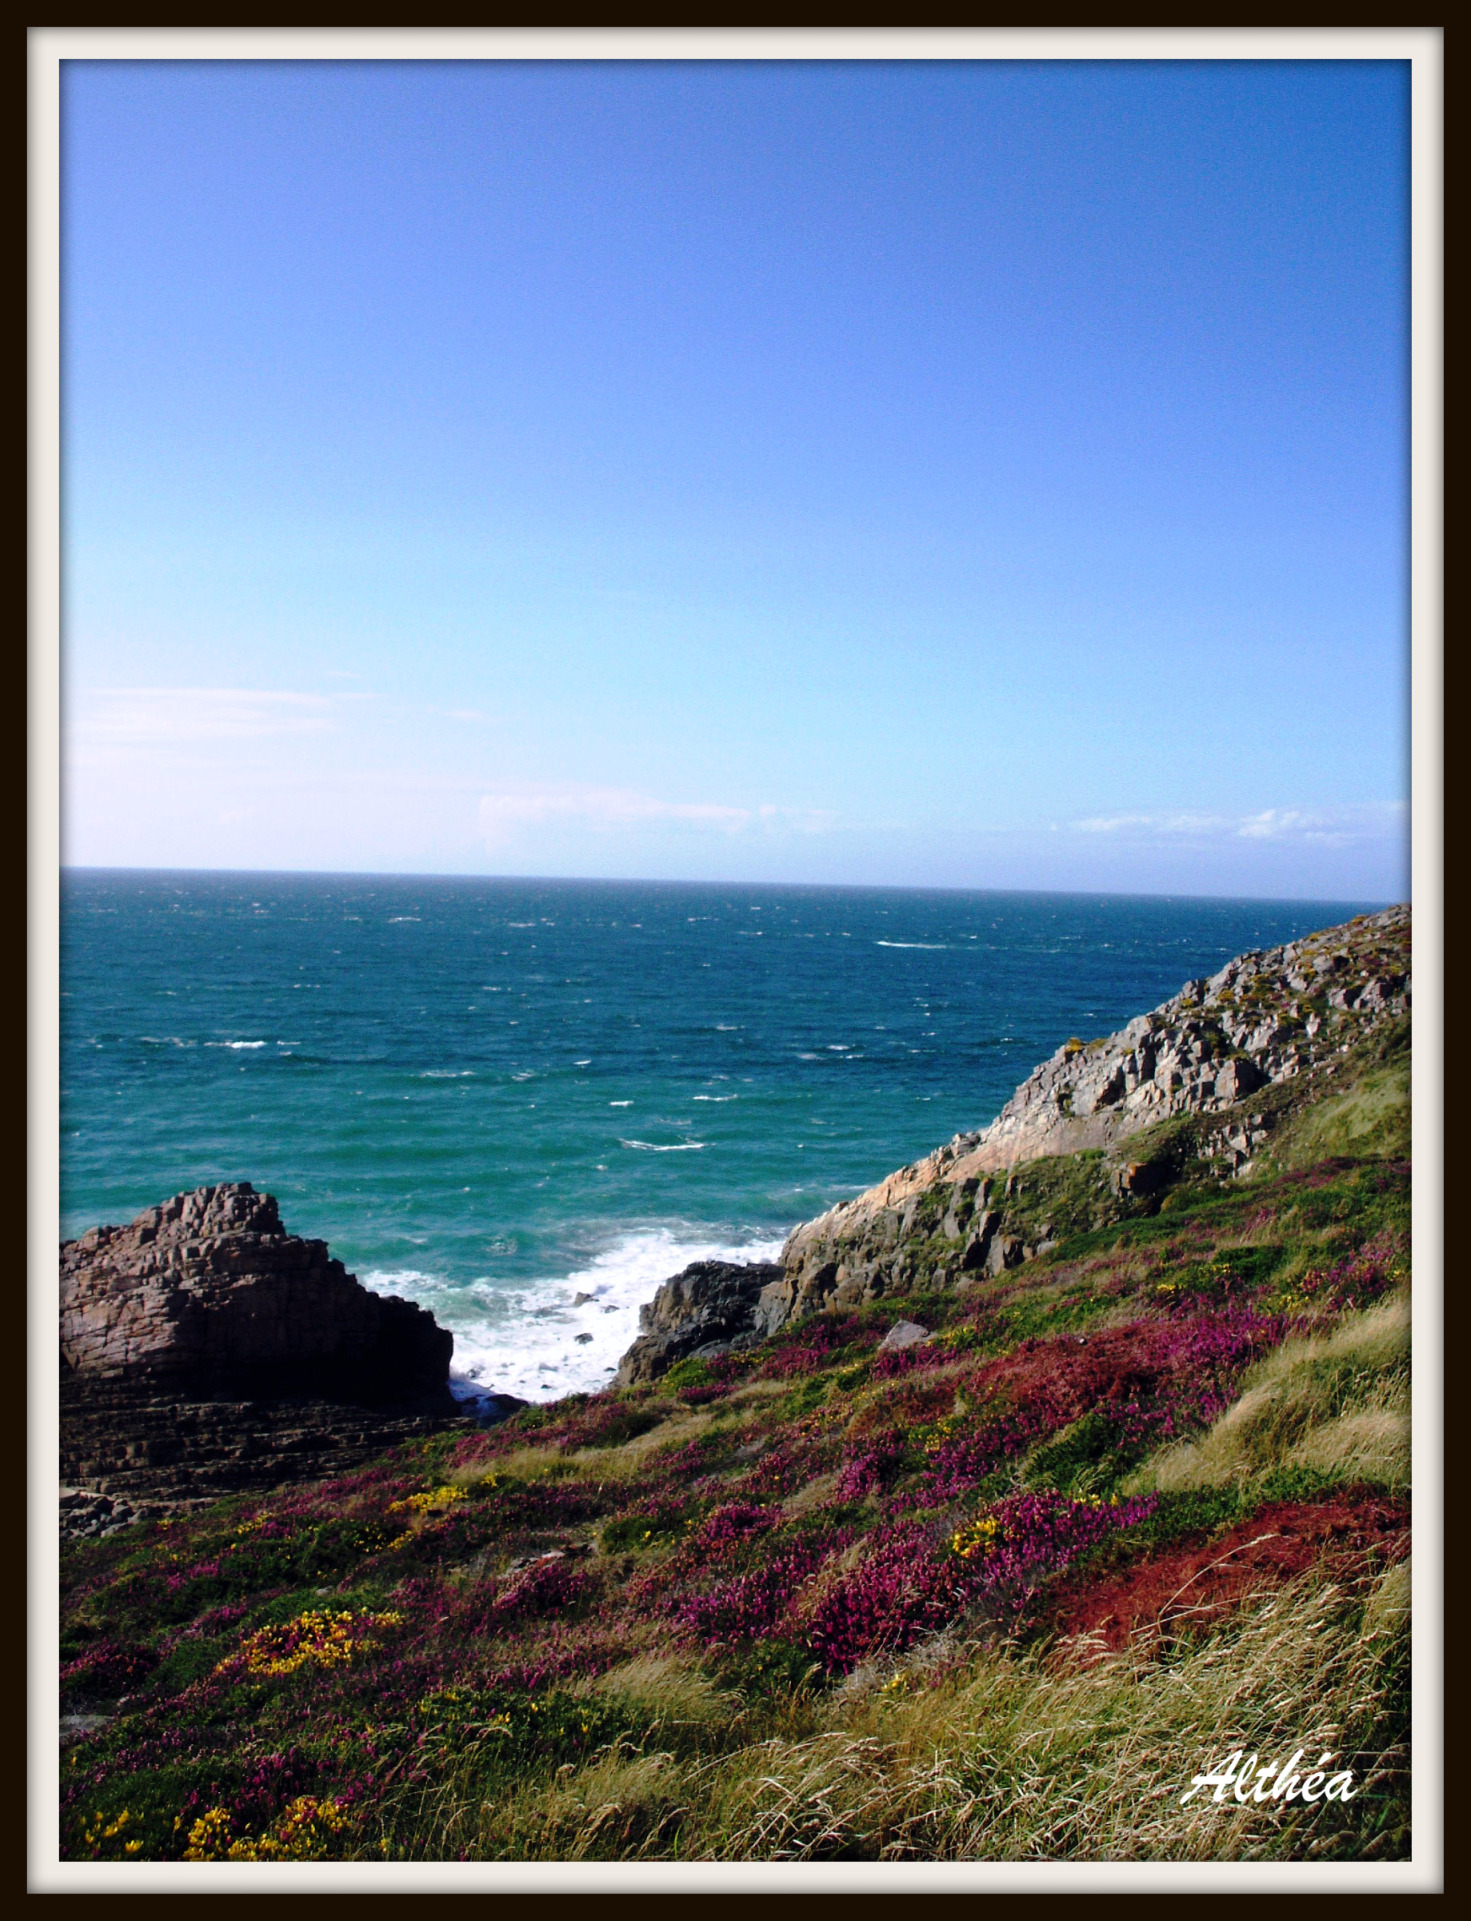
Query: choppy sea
[[496, 1096]]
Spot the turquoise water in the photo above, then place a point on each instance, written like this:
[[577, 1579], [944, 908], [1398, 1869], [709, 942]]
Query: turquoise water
[[493, 1095]]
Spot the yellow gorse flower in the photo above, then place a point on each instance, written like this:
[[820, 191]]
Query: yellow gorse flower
[[433, 1501], [979, 1536], [936, 1437], [317, 1638], [209, 1838], [976, 1537], [302, 1833], [96, 1835]]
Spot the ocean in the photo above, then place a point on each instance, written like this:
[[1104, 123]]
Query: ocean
[[524, 1103]]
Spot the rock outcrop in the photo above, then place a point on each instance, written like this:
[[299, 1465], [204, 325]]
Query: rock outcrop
[[206, 1351], [208, 1295], [710, 1308], [1265, 1019], [86, 1512]]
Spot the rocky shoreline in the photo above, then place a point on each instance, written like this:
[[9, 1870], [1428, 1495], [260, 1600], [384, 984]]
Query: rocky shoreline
[[1097, 1132], [206, 1351]]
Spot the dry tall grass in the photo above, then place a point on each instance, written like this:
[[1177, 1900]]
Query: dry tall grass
[[1067, 1753], [1338, 1402]]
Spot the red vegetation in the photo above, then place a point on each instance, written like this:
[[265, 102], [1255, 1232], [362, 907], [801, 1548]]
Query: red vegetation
[[1190, 1585], [1060, 1378]]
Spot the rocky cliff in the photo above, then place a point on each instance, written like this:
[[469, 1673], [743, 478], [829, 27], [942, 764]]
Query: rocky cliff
[[128, 1454], [206, 1351], [1216, 1053], [208, 1295]]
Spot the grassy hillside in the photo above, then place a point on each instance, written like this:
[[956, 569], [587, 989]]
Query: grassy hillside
[[998, 1595]]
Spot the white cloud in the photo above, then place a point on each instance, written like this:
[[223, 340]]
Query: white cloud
[[1276, 823], [1152, 824], [165, 716], [607, 809], [1326, 827]]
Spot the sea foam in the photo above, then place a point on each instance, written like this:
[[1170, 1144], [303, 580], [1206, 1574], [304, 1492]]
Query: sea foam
[[523, 1338]]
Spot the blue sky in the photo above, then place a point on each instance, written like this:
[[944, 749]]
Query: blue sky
[[951, 474]]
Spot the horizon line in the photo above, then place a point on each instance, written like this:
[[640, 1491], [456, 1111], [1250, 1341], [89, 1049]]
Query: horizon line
[[636, 880]]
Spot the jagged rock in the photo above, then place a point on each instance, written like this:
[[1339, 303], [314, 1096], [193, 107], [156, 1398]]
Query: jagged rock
[[208, 1294], [1237, 1079], [1175, 1059], [978, 1247], [1007, 1250], [708, 1309], [206, 1351], [959, 1212], [1263, 1019]]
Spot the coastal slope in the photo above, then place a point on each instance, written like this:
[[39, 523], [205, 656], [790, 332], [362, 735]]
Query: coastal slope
[[1232, 1054]]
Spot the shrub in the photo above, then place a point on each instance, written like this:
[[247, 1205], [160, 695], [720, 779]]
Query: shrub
[[106, 1669]]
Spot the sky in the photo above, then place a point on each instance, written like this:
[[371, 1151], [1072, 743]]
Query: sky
[[977, 474]]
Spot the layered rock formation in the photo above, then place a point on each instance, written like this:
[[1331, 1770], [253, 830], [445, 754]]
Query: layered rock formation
[[206, 1351], [209, 1295], [128, 1454], [1263, 1020], [709, 1309]]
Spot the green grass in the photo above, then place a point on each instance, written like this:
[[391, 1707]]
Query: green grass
[[1368, 1117], [965, 1753]]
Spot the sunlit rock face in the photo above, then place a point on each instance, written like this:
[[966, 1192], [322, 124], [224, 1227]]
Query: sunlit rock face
[[1264, 1019]]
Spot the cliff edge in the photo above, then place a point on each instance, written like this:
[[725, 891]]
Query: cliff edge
[[1215, 1053], [208, 1294]]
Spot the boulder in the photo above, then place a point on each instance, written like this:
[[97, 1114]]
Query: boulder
[[708, 1309], [209, 1297], [1006, 1251], [903, 1334]]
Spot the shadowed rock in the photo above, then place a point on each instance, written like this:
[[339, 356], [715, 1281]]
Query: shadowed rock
[[206, 1351], [209, 1296], [709, 1309]]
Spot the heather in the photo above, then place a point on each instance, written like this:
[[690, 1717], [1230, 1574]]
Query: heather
[[996, 1595]]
